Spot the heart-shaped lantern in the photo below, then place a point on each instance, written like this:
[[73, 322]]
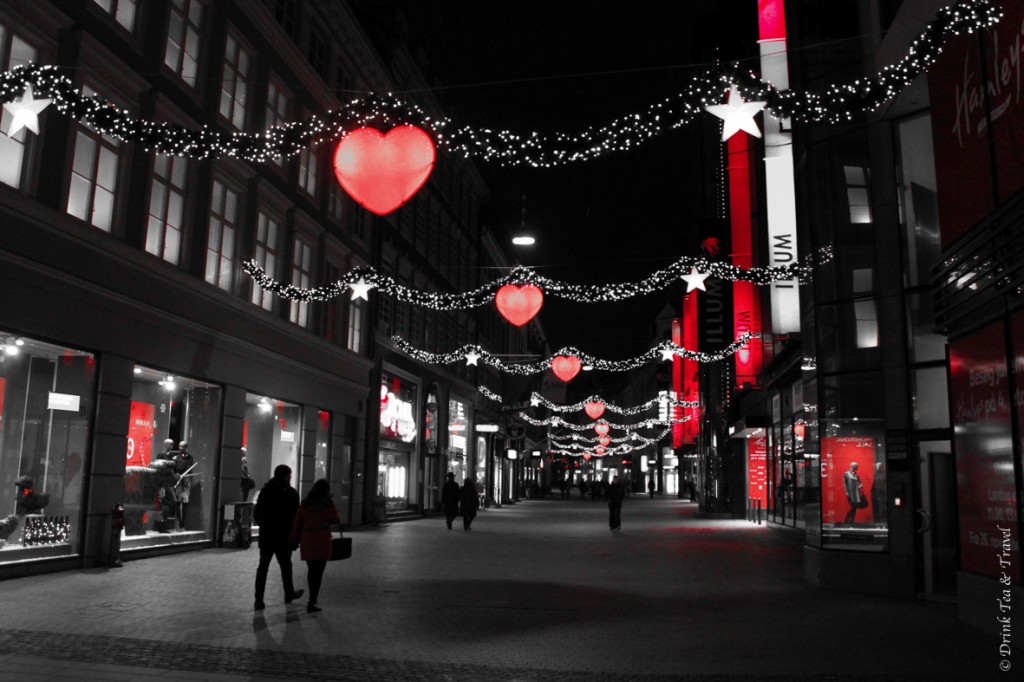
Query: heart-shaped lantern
[[604, 440], [601, 429], [593, 408], [518, 304], [565, 367], [382, 171], [587, 456], [599, 450]]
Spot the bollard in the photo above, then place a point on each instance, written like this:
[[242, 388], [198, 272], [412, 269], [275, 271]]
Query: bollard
[[116, 526], [759, 511]]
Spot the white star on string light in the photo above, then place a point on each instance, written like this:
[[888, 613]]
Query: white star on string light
[[737, 114], [534, 401], [667, 353], [25, 112], [360, 289], [472, 357], [695, 280]]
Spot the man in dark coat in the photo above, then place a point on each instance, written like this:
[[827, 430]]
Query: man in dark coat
[[616, 492], [274, 514], [450, 500], [470, 503]]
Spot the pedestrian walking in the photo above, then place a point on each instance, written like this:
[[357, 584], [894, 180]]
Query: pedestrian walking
[[470, 502], [274, 513], [583, 489], [616, 492], [650, 487], [450, 494], [312, 531]]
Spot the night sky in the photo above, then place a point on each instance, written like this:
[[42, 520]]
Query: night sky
[[563, 66]]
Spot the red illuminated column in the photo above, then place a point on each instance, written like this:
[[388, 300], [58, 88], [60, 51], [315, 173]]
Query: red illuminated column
[[686, 374], [746, 300]]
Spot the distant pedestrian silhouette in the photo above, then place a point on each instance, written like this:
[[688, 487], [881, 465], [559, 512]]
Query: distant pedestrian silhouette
[[470, 502], [274, 513], [450, 500], [312, 530], [650, 488], [616, 492], [583, 489]]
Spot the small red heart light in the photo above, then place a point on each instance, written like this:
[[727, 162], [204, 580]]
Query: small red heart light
[[599, 450], [566, 367], [593, 408], [382, 171], [601, 429], [587, 455], [604, 440], [518, 304]]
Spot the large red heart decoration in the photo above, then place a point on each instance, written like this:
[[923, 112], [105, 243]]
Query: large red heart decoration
[[593, 408], [565, 367], [382, 171], [601, 429], [604, 440], [518, 304]]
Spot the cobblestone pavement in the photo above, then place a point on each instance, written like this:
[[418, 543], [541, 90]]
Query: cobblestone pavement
[[539, 591]]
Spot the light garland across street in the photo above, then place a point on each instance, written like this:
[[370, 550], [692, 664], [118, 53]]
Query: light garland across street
[[536, 399], [559, 422], [836, 103], [473, 354], [360, 280]]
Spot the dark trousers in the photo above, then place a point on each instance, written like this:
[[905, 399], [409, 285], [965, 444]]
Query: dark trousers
[[284, 560], [467, 519], [614, 514], [851, 515], [315, 577], [449, 518]]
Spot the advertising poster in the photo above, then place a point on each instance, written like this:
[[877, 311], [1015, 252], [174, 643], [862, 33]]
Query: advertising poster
[[837, 453], [757, 470], [140, 434], [965, 117], [984, 452]]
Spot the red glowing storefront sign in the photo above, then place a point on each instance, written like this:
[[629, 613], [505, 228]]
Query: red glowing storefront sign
[[746, 299], [686, 374], [757, 470], [771, 19], [140, 434]]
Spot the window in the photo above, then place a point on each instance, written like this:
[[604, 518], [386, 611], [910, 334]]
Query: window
[[94, 176], [355, 325], [49, 393], [14, 51], [307, 171], [287, 14], [277, 108], [234, 89], [267, 248], [319, 55], [166, 207], [302, 271], [866, 315], [336, 202], [220, 244], [857, 194], [182, 51], [123, 11]]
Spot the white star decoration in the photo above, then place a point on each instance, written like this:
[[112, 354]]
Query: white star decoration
[[667, 353], [534, 401], [695, 280], [737, 114], [25, 112], [360, 289], [472, 357]]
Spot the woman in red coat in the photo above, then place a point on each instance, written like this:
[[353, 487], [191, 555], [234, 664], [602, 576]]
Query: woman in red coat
[[312, 531]]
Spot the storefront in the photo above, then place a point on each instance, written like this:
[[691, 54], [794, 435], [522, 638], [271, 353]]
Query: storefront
[[458, 443], [397, 464], [46, 407]]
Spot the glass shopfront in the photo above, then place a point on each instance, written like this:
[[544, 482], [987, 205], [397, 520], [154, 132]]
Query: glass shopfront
[[398, 432], [171, 459], [46, 403], [271, 436], [458, 443]]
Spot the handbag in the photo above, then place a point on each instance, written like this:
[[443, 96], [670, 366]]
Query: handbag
[[341, 548]]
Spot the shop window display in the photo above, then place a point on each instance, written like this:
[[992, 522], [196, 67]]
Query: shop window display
[[853, 485], [171, 460], [271, 436], [398, 436], [46, 403], [458, 429]]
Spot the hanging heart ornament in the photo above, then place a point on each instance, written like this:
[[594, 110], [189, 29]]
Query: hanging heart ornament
[[604, 440], [565, 367], [382, 171], [593, 408], [601, 429], [519, 304]]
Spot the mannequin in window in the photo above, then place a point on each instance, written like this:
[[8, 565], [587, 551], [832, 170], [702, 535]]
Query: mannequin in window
[[168, 451], [854, 493], [183, 468]]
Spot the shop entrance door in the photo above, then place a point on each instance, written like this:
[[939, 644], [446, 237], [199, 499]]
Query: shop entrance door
[[936, 520]]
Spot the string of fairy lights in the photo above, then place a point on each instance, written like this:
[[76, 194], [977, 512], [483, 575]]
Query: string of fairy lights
[[536, 399], [473, 354], [359, 281], [634, 437], [557, 421], [836, 103]]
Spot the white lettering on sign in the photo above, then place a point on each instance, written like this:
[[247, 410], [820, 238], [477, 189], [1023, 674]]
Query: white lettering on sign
[[1003, 86]]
